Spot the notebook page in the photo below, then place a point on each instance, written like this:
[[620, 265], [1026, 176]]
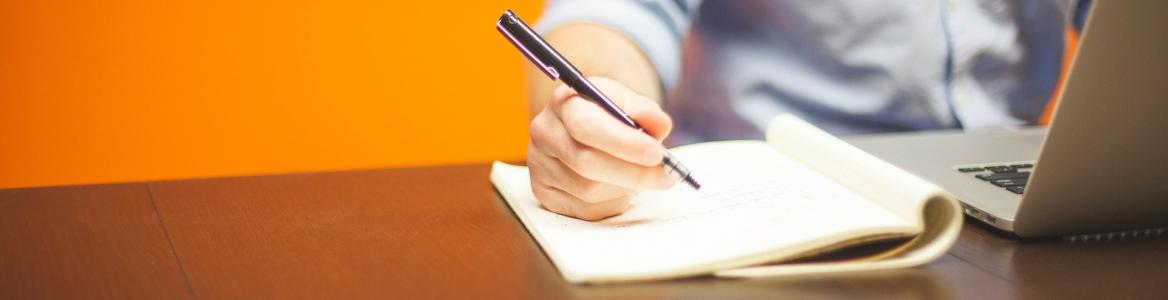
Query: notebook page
[[910, 197], [755, 206], [887, 185]]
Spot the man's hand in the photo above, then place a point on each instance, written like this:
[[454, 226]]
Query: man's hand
[[585, 163]]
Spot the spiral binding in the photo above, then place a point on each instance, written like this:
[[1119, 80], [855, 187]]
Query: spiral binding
[[1116, 235]]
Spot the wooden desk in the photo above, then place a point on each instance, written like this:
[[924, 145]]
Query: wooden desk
[[440, 232]]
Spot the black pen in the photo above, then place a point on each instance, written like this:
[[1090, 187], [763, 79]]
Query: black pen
[[557, 67]]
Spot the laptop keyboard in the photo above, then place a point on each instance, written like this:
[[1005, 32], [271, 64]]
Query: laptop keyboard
[[1009, 176]]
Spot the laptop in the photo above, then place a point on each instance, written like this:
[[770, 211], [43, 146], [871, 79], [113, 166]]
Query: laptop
[[1102, 164]]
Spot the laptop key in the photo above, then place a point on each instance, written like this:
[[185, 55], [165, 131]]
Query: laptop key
[[1002, 169], [1016, 189], [1000, 176], [968, 170], [1010, 182]]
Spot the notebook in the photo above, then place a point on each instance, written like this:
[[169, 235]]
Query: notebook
[[766, 208]]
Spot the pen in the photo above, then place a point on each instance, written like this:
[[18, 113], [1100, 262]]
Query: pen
[[557, 67]]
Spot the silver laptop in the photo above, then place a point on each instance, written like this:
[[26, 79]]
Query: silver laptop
[[1102, 164]]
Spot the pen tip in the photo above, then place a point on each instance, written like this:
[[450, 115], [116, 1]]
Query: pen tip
[[692, 183]]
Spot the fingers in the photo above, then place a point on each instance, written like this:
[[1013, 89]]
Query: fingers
[[591, 125], [555, 173], [547, 183], [550, 137], [585, 163], [645, 111], [559, 202]]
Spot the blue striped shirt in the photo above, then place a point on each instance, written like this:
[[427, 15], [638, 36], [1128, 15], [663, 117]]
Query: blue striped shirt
[[848, 66]]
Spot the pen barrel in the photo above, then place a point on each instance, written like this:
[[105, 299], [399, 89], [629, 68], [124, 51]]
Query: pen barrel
[[557, 67], [589, 91]]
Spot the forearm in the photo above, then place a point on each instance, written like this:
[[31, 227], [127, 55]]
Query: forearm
[[597, 51]]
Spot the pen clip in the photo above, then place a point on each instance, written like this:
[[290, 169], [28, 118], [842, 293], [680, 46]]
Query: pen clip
[[510, 17]]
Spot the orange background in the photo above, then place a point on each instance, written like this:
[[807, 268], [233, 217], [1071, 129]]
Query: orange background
[[114, 91]]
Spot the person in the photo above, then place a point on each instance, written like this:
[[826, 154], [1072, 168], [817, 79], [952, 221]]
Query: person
[[724, 68]]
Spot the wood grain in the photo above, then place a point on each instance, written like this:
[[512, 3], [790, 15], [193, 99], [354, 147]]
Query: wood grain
[[406, 234], [444, 233], [436, 233], [84, 243]]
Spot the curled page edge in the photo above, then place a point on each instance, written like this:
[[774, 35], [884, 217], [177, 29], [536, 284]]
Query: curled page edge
[[938, 211], [942, 217]]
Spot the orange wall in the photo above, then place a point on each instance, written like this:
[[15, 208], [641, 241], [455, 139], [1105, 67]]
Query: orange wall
[[121, 90]]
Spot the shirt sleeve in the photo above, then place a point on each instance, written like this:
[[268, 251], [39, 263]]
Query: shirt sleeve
[[657, 27]]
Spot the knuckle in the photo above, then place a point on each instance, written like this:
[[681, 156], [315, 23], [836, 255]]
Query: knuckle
[[544, 139], [571, 120], [538, 129], [575, 118]]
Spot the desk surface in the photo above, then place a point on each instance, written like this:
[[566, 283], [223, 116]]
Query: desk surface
[[440, 232]]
